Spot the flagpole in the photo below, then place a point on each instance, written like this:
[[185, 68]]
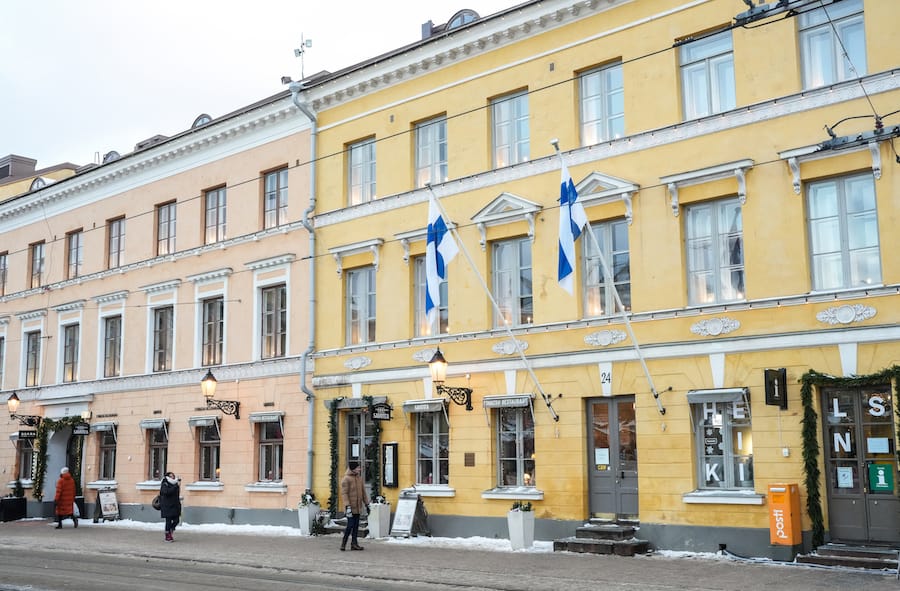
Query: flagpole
[[607, 275], [462, 247]]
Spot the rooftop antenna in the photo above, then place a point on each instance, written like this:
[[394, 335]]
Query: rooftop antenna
[[304, 45]]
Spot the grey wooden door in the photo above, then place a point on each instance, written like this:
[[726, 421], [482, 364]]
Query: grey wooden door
[[612, 456]]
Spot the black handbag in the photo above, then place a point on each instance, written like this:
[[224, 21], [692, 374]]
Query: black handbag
[[155, 502]]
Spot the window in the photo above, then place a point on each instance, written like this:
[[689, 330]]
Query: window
[[843, 233], [515, 447], [2, 359], [3, 271], [707, 75], [715, 252], [276, 198], [599, 300], [159, 451], [165, 228], [215, 215], [431, 151], [602, 105], [273, 323], [116, 243], [209, 452], [107, 445], [832, 43], [32, 358], [432, 448], [74, 253], [163, 324], [441, 322], [70, 352], [25, 451], [512, 282], [271, 447], [361, 306], [361, 172], [213, 330], [511, 134], [724, 441], [37, 264], [112, 346]]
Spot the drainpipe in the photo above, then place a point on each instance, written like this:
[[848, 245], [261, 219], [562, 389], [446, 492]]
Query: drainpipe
[[295, 88]]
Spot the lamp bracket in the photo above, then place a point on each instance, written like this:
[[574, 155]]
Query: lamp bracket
[[459, 395], [27, 420], [229, 407]]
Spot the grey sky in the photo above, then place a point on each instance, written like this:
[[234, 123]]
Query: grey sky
[[81, 78]]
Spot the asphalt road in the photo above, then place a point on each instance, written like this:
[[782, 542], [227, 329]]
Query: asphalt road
[[36, 557]]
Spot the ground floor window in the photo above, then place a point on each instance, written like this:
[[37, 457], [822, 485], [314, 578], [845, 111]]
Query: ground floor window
[[25, 450], [515, 447], [432, 448], [724, 439], [107, 441], [209, 452], [271, 447], [159, 451]]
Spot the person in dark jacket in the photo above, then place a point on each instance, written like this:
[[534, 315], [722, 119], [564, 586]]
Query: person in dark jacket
[[353, 495], [170, 503], [65, 498]]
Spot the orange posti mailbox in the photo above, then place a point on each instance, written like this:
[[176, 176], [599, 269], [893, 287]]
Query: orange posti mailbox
[[784, 514]]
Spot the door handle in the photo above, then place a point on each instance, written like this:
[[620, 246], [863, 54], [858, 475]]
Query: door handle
[[622, 475]]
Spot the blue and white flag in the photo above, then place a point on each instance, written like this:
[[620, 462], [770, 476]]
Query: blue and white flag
[[572, 220], [439, 251]]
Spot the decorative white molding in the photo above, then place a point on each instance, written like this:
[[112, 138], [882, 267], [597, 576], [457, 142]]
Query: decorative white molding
[[506, 208], [339, 252], [876, 159], [355, 363], [116, 296], [795, 173], [423, 355], [67, 307], [846, 314], [736, 169], [31, 314], [269, 262], [210, 275], [598, 188], [604, 338], [161, 287], [673, 197], [714, 327], [510, 347]]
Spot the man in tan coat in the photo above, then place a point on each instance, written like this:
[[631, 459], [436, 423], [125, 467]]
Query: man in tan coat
[[353, 496]]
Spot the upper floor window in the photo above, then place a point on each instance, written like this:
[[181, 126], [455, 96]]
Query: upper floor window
[[432, 448], [515, 447], [165, 228], [832, 43], [602, 105], [724, 442], [360, 306], [512, 288], [215, 215], [599, 296], [3, 272], [112, 346], [2, 358], [213, 338], [843, 233], [74, 254], [32, 358], [431, 151], [511, 139], [70, 352], [37, 264], [707, 75], [163, 338], [441, 322], [273, 322], [275, 202], [361, 172], [715, 252], [115, 242]]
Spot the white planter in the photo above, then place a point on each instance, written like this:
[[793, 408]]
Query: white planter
[[379, 520], [307, 514], [521, 529]]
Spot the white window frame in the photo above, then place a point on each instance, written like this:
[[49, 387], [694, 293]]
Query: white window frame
[[74, 253], [275, 198], [37, 257], [717, 242], [212, 349], [273, 324], [601, 93], [209, 452], [162, 339], [431, 151], [512, 292], [521, 433], [728, 410], [360, 296], [361, 172], [31, 357], [598, 299], [823, 52], [215, 213], [712, 67], [69, 353], [839, 221], [273, 446], [115, 242], [157, 452], [440, 324], [434, 470], [105, 350], [510, 126], [4, 271]]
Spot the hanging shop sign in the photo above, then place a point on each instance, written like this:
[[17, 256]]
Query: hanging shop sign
[[81, 429], [27, 434], [381, 411]]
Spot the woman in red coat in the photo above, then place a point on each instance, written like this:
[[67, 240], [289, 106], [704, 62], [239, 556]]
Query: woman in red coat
[[65, 498]]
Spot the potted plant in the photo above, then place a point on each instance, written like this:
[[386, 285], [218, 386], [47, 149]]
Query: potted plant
[[521, 525], [307, 512], [14, 506], [379, 518]]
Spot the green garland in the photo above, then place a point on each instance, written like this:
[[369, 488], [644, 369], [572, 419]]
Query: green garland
[[810, 423], [333, 500], [40, 443], [376, 464]]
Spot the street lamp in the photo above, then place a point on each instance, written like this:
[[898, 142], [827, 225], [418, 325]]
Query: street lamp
[[12, 403], [438, 368], [208, 387]]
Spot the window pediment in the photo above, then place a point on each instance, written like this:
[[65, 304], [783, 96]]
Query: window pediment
[[598, 189], [737, 169], [506, 208]]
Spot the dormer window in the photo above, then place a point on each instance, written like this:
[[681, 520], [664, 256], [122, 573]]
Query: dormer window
[[463, 17]]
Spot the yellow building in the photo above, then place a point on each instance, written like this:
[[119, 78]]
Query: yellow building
[[741, 240]]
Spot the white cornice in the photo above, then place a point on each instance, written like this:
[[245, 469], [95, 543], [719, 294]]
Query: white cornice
[[270, 262]]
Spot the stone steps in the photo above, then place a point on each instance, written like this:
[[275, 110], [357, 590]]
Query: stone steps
[[865, 557], [601, 536]]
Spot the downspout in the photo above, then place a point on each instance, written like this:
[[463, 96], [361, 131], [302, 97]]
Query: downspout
[[295, 88]]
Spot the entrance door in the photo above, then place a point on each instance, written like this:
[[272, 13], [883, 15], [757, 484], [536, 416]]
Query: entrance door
[[361, 445], [860, 464], [612, 460]]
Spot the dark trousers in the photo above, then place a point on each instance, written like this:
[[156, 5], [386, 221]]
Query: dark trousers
[[171, 522], [352, 529]]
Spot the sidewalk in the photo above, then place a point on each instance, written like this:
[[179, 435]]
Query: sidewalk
[[462, 562]]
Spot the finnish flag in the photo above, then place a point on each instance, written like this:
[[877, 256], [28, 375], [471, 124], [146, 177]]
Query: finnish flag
[[572, 220], [439, 251]]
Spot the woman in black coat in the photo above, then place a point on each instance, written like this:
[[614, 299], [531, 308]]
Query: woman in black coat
[[170, 503]]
